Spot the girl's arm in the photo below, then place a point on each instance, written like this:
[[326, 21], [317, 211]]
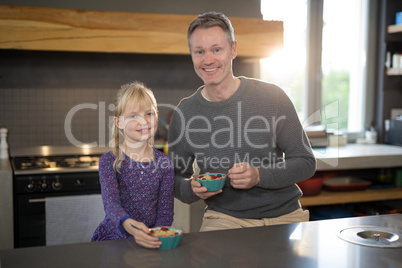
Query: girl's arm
[[110, 190], [166, 195]]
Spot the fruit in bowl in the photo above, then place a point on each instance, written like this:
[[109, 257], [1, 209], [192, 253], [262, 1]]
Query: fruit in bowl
[[169, 236], [213, 181]]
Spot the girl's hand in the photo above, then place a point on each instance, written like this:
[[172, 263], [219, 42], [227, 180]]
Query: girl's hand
[[142, 234], [244, 176]]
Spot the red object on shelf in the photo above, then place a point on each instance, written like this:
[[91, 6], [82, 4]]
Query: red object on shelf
[[312, 186]]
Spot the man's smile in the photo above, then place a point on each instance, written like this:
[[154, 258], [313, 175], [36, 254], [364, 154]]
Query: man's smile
[[210, 69]]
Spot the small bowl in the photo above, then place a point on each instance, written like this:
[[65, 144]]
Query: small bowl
[[169, 242], [213, 181], [312, 186]]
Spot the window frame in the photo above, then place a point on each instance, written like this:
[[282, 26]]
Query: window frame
[[312, 98]]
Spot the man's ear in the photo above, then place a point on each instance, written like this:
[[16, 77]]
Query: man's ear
[[234, 49]]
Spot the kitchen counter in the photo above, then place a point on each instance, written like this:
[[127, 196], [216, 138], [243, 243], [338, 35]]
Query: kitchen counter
[[358, 156], [309, 244], [6, 205]]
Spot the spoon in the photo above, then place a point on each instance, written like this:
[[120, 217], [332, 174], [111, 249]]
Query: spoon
[[188, 179], [135, 227]]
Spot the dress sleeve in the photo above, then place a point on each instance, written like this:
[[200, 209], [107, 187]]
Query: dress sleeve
[[166, 197], [110, 190]]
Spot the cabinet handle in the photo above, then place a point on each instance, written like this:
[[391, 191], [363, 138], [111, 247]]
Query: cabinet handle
[[39, 200]]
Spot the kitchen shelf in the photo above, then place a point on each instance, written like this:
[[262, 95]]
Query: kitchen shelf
[[54, 29], [397, 28], [394, 71], [356, 157], [331, 198], [394, 29]]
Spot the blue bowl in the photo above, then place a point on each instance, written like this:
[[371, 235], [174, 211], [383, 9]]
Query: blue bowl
[[212, 184], [169, 242]]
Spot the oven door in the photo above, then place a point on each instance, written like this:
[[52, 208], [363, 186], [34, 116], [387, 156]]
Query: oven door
[[30, 225], [57, 218]]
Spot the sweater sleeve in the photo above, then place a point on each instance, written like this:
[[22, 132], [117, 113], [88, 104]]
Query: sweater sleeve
[[166, 198], [182, 159], [299, 161]]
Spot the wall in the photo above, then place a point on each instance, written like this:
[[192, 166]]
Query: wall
[[39, 89]]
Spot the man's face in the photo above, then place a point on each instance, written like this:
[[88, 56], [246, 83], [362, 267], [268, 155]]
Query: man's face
[[212, 55]]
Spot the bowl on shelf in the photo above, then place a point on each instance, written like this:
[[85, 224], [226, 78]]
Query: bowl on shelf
[[213, 181], [312, 186], [169, 236]]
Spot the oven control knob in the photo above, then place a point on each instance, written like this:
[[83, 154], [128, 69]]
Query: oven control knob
[[31, 187], [44, 185], [56, 185]]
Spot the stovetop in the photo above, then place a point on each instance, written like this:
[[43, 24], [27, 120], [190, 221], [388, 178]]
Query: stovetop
[[55, 159], [55, 164]]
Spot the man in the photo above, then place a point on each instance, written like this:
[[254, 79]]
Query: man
[[241, 126]]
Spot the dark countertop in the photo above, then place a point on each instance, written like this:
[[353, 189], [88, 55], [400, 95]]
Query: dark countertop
[[311, 244]]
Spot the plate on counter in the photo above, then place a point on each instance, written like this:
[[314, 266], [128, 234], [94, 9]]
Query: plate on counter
[[347, 183]]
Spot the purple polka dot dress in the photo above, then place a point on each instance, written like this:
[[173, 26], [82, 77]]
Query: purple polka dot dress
[[142, 191]]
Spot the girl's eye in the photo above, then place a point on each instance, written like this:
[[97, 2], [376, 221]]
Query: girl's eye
[[133, 116], [151, 113]]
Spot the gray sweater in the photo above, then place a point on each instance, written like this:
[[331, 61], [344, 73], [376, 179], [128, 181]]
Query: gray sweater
[[259, 125]]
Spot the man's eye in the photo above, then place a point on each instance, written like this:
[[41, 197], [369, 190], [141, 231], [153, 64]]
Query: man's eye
[[199, 52], [217, 50]]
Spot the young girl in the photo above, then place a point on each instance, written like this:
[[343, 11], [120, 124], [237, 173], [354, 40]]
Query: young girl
[[136, 179]]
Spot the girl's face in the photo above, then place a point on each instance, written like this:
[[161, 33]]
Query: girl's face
[[139, 123]]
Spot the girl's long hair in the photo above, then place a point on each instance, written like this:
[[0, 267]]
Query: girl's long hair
[[133, 94]]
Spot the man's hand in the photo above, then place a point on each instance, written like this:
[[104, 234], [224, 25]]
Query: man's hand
[[201, 191], [243, 176]]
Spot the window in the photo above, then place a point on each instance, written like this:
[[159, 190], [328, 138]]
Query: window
[[287, 68], [322, 66]]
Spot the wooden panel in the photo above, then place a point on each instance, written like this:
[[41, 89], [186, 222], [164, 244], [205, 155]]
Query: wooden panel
[[35, 28]]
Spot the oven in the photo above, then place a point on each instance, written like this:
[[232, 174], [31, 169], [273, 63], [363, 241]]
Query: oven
[[56, 195]]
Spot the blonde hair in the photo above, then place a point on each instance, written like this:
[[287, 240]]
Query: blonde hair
[[136, 94]]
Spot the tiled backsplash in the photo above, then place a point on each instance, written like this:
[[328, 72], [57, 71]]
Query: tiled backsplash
[[40, 90], [41, 116]]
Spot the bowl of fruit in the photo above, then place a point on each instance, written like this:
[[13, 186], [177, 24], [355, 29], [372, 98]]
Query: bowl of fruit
[[213, 181], [169, 236]]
